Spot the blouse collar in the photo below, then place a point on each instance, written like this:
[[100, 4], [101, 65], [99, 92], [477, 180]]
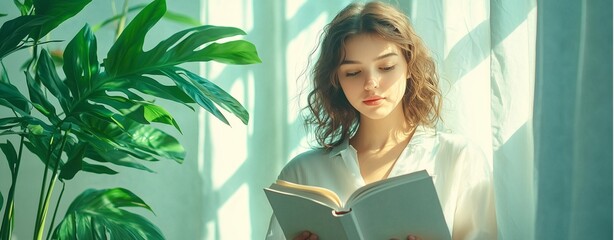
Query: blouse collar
[[339, 148], [417, 138]]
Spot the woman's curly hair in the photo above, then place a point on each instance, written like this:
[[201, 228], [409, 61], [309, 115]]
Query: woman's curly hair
[[334, 119]]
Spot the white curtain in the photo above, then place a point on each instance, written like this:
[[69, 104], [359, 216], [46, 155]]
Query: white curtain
[[486, 52]]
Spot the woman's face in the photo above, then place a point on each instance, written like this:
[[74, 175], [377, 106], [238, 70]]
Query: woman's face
[[373, 75]]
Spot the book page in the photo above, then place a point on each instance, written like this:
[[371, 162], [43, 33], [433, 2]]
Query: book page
[[373, 187], [319, 194], [406, 204]]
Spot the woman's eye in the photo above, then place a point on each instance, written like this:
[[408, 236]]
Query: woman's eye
[[352, 74], [389, 68]]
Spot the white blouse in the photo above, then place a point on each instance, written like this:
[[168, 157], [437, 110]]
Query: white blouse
[[460, 172]]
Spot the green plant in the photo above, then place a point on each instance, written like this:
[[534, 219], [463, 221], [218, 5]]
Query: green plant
[[98, 116]]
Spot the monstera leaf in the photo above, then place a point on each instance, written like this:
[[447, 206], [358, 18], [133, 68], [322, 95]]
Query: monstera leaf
[[128, 62], [98, 214]]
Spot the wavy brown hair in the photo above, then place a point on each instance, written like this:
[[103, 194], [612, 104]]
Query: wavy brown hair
[[334, 119]]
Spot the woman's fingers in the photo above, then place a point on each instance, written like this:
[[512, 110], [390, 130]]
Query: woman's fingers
[[412, 237], [313, 237], [306, 235]]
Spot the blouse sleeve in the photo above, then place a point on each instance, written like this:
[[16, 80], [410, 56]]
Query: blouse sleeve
[[474, 218]]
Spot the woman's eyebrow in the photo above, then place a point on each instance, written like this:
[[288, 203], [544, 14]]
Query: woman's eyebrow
[[347, 61]]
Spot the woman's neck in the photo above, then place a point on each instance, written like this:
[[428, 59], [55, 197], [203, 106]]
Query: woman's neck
[[381, 134]]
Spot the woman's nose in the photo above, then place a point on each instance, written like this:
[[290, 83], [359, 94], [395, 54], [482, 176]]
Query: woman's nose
[[372, 82]]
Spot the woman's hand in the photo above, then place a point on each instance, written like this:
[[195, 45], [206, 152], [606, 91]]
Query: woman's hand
[[409, 237], [306, 235]]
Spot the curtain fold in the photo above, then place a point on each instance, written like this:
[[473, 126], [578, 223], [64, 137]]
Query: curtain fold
[[513, 29]]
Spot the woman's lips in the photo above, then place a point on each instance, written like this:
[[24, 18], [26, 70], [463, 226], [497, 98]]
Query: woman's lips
[[373, 101]]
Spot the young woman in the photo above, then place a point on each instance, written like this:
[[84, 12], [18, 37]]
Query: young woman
[[374, 105]]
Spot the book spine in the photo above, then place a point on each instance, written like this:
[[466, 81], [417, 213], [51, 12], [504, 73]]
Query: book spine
[[350, 225]]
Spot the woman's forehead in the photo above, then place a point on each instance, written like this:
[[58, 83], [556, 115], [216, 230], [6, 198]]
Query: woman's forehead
[[368, 47]]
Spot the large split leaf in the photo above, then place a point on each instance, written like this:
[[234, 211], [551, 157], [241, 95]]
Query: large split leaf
[[149, 86], [99, 214], [48, 76], [39, 99], [81, 63], [14, 32], [13, 99], [129, 45], [57, 12], [139, 140], [127, 61]]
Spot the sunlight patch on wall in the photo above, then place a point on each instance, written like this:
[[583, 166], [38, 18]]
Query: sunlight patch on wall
[[297, 70], [292, 7], [235, 13], [214, 70], [249, 105], [201, 141], [234, 221], [228, 144], [228, 13]]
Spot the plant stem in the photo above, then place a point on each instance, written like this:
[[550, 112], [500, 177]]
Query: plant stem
[[41, 226], [44, 183], [122, 21], [9, 212], [41, 222], [55, 211], [7, 223], [32, 64]]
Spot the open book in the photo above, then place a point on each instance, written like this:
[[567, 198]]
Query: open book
[[391, 208]]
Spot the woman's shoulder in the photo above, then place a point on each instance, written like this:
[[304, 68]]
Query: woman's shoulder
[[429, 137], [305, 162], [468, 156], [310, 156], [454, 139], [449, 139], [453, 147]]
